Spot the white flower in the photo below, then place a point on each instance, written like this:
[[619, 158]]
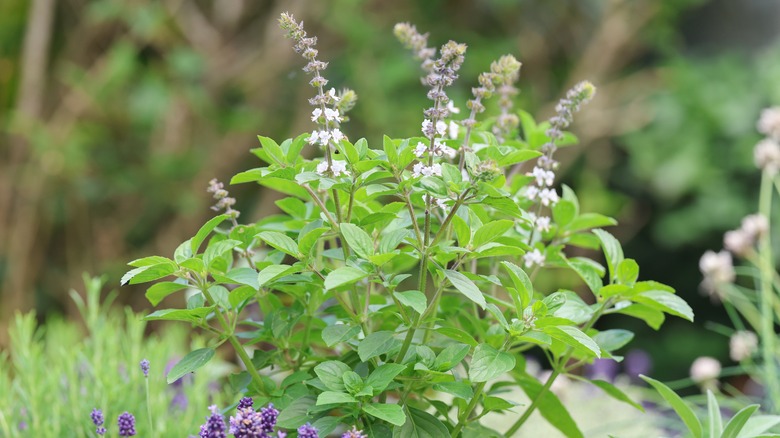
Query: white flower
[[332, 115], [332, 94], [532, 192], [417, 169], [436, 169], [534, 257], [322, 167], [704, 369], [718, 270], [548, 197], [755, 224], [542, 223], [441, 127], [438, 202], [738, 241], [339, 167], [420, 149], [420, 169], [337, 135], [742, 345], [543, 177], [316, 114], [769, 122], [766, 155], [314, 137], [324, 137], [453, 130], [452, 108], [427, 127], [440, 149]]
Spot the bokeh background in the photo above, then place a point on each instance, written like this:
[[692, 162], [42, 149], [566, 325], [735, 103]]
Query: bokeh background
[[114, 115]]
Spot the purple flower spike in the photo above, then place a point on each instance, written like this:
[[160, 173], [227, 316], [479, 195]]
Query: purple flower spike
[[215, 425], [145, 367], [307, 431], [126, 424], [269, 414], [245, 402], [97, 420], [247, 424], [354, 433]]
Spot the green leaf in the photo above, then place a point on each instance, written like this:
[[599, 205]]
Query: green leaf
[[550, 406], [665, 302], [343, 276], [145, 274], [392, 413], [280, 241], [272, 149], [574, 338], [586, 221], [458, 335], [158, 291], [612, 251], [381, 377], [220, 296], [713, 412], [613, 339], [462, 230], [390, 150], [564, 212], [450, 357], [376, 344], [358, 240], [523, 290], [333, 397], [738, 421], [628, 272], [189, 363], [683, 410], [614, 392], [239, 294], [204, 231], [216, 250], [490, 232], [420, 424], [334, 334], [192, 315], [271, 273], [652, 317], [496, 404], [588, 272], [308, 240], [414, 299], [458, 389], [488, 363], [466, 287], [331, 374], [297, 413]]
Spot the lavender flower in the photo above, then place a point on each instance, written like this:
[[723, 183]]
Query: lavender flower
[[245, 402], [98, 420], [307, 431], [353, 433], [269, 415], [145, 367], [247, 424], [215, 425], [126, 423], [224, 202]]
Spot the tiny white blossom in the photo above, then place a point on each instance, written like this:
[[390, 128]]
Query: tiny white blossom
[[705, 369], [755, 224], [718, 270], [426, 127], [438, 202], [769, 122], [441, 127], [448, 151], [417, 169], [532, 192], [337, 135], [737, 241], [316, 114], [420, 149], [332, 115], [324, 137], [543, 177], [542, 223], [322, 167], [436, 169], [534, 257], [453, 130], [339, 167], [766, 155], [314, 137], [420, 169], [742, 345], [452, 108], [548, 197], [332, 94]]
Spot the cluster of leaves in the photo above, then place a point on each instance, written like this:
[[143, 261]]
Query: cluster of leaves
[[361, 315]]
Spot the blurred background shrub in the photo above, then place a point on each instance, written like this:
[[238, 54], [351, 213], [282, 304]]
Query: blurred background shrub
[[114, 115]]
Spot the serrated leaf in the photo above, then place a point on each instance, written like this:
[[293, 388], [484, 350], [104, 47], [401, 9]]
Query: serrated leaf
[[465, 286], [343, 276], [574, 338], [420, 424], [334, 397], [330, 374], [204, 231], [216, 250], [376, 344], [523, 290], [297, 413], [381, 377], [488, 363], [358, 240], [450, 357], [280, 241], [458, 335], [334, 334], [490, 231], [189, 363], [684, 411], [392, 413], [271, 273], [414, 299], [665, 302], [458, 389]]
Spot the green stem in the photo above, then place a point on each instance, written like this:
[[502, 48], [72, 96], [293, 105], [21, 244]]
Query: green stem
[[767, 314], [149, 408], [464, 417]]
